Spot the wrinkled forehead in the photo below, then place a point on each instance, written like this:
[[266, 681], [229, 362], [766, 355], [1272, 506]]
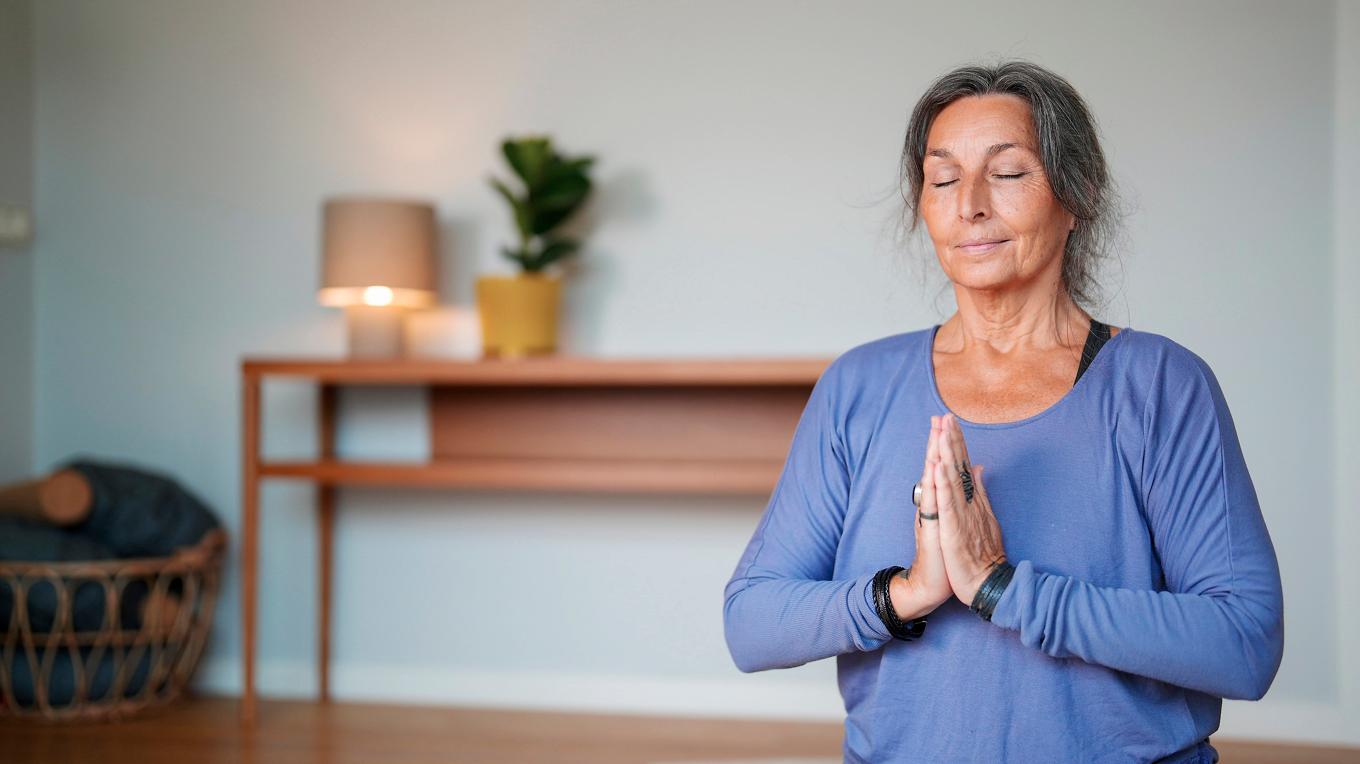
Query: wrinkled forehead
[[980, 127]]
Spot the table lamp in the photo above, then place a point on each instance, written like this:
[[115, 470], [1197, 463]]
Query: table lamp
[[377, 261]]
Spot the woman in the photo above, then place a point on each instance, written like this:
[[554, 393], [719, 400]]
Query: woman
[[1096, 590]]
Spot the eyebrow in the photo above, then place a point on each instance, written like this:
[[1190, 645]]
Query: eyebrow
[[995, 148]]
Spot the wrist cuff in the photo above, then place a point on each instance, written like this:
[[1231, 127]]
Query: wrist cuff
[[984, 601], [903, 630]]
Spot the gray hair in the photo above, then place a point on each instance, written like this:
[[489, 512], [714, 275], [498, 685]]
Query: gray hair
[[1069, 146]]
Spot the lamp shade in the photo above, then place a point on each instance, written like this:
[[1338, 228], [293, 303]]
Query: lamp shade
[[377, 252]]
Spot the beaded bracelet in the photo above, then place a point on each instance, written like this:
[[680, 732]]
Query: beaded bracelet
[[903, 630], [993, 586]]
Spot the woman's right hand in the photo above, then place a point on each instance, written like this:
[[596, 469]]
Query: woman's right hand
[[927, 586]]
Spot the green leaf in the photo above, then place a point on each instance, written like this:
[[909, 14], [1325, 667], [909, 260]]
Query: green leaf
[[558, 201], [515, 256], [504, 190], [546, 220], [561, 167], [562, 191], [556, 250], [528, 157], [521, 208]]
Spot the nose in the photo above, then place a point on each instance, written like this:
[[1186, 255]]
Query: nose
[[975, 200]]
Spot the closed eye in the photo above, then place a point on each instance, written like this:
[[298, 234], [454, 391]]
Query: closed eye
[[1010, 177]]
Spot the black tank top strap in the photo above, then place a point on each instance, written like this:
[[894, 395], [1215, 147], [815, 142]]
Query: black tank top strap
[[1098, 336]]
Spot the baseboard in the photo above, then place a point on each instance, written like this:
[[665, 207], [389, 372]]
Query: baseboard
[[753, 696]]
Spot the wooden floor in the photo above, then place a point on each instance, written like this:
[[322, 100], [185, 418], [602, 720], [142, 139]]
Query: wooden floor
[[206, 731]]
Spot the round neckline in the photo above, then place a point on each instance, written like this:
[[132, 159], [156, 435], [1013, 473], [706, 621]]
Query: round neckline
[[1071, 392]]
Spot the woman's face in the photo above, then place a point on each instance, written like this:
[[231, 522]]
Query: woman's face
[[984, 182]]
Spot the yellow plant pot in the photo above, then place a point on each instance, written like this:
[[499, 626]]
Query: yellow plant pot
[[519, 314]]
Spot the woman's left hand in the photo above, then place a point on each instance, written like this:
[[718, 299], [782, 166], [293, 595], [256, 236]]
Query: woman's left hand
[[970, 537]]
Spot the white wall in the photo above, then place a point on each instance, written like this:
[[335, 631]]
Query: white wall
[[16, 262], [747, 164], [1346, 302]]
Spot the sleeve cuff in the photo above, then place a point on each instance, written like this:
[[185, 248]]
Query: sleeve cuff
[[1006, 614]]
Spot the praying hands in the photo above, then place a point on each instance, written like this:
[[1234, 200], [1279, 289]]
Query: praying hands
[[954, 499]]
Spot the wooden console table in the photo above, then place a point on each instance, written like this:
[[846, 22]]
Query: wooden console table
[[554, 423]]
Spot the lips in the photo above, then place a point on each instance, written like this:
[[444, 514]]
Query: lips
[[977, 246]]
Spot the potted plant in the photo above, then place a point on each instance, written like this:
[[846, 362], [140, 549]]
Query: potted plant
[[519, 313]]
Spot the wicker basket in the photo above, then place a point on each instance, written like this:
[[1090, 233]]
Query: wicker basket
[[108, 671]]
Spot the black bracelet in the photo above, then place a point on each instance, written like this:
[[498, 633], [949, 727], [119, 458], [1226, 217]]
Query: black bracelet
[[903, 630], [993, 586]]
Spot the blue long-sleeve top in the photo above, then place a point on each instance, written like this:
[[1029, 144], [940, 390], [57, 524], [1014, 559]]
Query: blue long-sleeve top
[[1146, 586]]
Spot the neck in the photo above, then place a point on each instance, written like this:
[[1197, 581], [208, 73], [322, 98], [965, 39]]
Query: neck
[[1008, 320]]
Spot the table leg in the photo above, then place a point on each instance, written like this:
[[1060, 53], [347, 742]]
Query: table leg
[[250, 519], [326, 521]]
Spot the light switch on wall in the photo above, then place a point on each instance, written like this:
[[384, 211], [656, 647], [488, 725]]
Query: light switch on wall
[[16, 225]]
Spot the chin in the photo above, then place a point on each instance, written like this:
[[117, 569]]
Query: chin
[[980, 271], [974, 278]]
